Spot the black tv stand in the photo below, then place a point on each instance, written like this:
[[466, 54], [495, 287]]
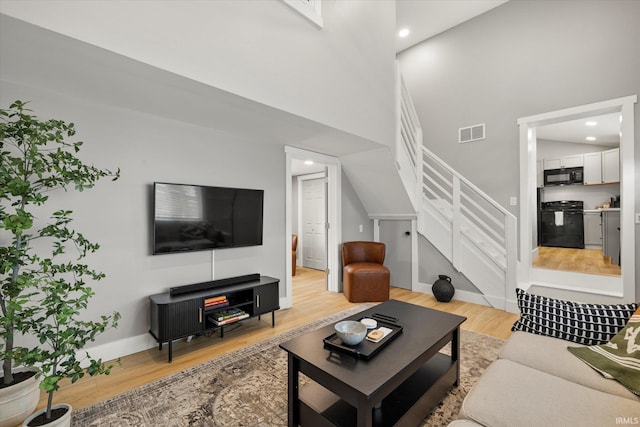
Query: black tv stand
[[183, 311]]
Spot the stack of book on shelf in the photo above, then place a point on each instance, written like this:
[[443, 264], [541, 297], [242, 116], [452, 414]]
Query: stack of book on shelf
[[215, 302], [231, 315]]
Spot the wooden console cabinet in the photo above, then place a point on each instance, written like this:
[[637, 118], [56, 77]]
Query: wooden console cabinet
[[182, 312]]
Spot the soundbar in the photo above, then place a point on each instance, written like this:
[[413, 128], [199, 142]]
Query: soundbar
[[179, 290]]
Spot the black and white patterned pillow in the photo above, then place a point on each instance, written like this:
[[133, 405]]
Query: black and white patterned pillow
[[588, 324]]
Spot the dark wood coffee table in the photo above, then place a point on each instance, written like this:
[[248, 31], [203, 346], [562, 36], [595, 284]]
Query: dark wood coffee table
[[399, 386]]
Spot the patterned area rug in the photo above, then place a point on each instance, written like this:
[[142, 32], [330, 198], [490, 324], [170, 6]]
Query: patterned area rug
[[248, 387]]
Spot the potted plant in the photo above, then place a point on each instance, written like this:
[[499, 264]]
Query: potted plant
[[43, 289]]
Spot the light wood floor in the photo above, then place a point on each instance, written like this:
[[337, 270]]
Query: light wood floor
[[589, 261], [310, 302]]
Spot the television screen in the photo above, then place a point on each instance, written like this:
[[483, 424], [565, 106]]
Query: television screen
[[195, 217]]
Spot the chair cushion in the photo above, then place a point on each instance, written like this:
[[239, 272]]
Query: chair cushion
[[588, 324], [365, 282], [366, 268]]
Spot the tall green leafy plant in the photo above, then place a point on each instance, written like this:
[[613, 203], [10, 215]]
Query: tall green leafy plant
[[43, 287]]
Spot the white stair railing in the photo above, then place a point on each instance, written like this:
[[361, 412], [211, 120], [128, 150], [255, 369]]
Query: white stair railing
[[409, 141], [476, 234]]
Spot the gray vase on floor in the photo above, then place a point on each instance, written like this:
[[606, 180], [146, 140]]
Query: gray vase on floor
[[442, 288]]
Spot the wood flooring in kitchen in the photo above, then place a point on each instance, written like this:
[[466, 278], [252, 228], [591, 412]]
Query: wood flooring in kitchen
[[589, 261]]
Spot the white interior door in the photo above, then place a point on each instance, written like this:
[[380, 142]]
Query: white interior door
[[314, 202]]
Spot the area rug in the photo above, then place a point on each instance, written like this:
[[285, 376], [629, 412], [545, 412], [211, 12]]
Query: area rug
[[248, 387]]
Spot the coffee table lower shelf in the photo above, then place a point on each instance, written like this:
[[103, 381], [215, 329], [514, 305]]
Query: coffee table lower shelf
[[407, 405]]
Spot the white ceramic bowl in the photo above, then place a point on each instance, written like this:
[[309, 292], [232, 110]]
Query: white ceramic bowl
[[369, 323], [351, 332]]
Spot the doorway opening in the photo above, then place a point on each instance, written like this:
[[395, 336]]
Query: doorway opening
[[325, 230], [578, 223], [581, 286]]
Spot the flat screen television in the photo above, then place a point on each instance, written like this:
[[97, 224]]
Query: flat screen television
[[198, 218]]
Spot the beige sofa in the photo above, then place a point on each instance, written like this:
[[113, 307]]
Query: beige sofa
[[536, 381]]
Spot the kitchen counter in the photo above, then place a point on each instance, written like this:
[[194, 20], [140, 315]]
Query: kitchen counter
[[602, 230], [602, 210], [611, 234]]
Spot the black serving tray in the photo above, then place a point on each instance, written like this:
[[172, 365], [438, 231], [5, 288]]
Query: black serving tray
[[365, 349]]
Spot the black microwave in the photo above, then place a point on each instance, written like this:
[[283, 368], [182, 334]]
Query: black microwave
[[564, 176]]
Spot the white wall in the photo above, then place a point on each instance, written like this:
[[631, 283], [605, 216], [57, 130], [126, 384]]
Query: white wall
[[520, 59], [138, 118], [118, 214], [341, 75], [353, 215]]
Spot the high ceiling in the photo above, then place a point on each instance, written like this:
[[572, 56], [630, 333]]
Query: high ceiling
[[426, 18], [601, 130]]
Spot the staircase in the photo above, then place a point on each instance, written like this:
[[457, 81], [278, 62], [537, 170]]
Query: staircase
[[475, 233]]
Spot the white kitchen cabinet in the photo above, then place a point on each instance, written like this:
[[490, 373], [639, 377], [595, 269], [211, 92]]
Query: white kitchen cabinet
[[602, 167], [592, 230], [611, 166], [572, 161], [552, 164], [564, 162], [592, 168]]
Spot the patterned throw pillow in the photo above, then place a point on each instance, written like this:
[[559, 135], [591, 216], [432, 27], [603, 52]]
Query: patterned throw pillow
[[588, 324], [618, 359]]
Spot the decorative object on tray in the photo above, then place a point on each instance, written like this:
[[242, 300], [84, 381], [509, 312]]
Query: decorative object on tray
[[442, 288], [351, 332], [387, 330], [378, 334], [369, 323]]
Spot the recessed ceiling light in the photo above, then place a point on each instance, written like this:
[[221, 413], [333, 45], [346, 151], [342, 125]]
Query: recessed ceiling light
[[590, 138], [591, 123], [308, 162], [403, 32]]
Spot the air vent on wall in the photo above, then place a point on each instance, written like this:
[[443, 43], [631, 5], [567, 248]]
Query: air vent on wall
[[471, 133]]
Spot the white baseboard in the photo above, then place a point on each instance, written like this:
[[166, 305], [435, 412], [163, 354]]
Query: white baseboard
[[512, 306], [120, 348], [131, 345], [285, 302], [459, 295]]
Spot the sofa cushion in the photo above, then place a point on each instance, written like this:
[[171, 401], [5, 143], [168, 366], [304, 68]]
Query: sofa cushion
[[618, 359], [588, 324], [510, 394], [550, 355]]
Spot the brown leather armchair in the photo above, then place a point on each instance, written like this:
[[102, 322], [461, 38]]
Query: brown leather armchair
[[294, 248], [364, 277]]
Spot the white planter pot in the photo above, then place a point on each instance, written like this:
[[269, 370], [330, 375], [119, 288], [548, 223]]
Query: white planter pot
[[64, 421], [18, 401]]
